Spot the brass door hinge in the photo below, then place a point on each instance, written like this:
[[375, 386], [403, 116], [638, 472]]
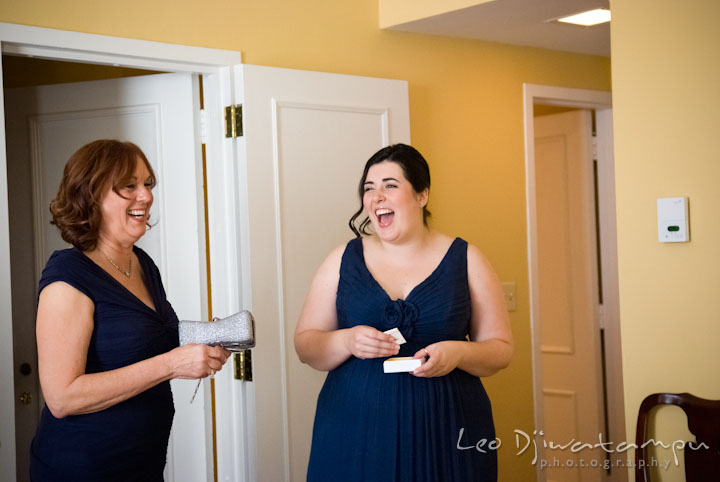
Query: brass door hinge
[[242, 363], [233, 121]]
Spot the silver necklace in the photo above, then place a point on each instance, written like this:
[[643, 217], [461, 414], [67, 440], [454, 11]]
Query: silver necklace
[[126, 273]]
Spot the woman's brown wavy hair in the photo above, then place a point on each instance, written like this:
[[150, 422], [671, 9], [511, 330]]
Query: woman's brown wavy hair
[[76, 208]]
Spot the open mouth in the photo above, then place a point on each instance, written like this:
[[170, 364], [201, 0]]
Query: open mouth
[[138, 214], [385, 217]]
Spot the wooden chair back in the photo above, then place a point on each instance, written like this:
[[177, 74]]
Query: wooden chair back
[[701, 464]]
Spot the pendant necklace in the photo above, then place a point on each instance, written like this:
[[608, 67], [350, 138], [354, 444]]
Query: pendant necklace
[[126, 273]]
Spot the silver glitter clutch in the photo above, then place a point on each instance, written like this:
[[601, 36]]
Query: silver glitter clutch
[[234, 333]]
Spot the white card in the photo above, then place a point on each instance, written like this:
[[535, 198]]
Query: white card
[[401, 364], [395, 333]]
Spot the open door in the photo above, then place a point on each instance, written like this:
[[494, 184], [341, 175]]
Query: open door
[[45, 125], [557, 339], [7, 397], [307, 136], [568, 292], [180, 211]]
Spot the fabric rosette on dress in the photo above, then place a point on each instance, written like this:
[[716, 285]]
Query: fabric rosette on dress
[[402, 315]]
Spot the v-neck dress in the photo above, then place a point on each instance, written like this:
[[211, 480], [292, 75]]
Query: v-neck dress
[[376, 427], [127, 441]]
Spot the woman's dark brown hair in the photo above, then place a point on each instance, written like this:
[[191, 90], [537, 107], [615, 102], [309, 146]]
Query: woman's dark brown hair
[[95, 166], [416, 171]]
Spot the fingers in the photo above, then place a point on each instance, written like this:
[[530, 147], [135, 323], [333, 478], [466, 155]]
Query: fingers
[[422, 353], [385, 345], [428, 368], [367, 342], [379, 344], [374, 349], [434, 364], [442, 358], [378, 335], [194, 361], [218, 353], [217, 358]]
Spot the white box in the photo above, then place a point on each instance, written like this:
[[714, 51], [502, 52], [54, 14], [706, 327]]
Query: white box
[[401, 364]]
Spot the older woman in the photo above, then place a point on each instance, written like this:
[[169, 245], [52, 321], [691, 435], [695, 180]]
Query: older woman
[[445, 299], [107, 336]]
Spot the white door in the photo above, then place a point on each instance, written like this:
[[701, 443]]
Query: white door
[[45, 125], [307, 136], [568, 294]]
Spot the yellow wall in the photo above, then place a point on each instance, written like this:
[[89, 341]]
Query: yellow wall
[[465, 108], [666, 90]]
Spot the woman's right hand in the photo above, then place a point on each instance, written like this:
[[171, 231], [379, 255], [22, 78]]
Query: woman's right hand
[[194, 361], [364, 341]]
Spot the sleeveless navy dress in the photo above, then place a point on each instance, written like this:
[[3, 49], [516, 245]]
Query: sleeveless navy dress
[[377, 427], [128, 441]]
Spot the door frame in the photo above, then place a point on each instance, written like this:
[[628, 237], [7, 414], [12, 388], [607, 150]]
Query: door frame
[[227, 214], [599, 101]]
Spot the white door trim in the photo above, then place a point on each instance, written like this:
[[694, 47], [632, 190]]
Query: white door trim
[[227, 201], [610, 314], [586, 99], [7, 395], [229, 224], [117, 51]]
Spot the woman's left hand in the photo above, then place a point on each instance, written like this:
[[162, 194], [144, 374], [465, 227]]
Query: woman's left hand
[[442, 358]]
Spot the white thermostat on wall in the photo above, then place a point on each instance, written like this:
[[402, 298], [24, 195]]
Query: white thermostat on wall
[[672, 213]]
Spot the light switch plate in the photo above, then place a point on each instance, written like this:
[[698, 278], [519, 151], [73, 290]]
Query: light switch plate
[[509, 290]]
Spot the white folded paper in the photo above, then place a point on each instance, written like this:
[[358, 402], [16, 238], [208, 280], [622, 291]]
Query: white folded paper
[[401, 364], [395, 333]]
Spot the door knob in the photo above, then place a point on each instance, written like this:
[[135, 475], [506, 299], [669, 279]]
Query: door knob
[[26, 398]]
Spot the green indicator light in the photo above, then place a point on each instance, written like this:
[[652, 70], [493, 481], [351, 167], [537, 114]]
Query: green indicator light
[[673, 228]]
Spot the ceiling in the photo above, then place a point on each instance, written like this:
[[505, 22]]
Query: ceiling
[[521, 22]]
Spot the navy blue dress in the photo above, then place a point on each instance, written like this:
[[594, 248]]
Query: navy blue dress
[[377, 427], [127, 441]]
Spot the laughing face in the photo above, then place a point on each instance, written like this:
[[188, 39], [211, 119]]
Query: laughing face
[[125, 216], [390, 202]]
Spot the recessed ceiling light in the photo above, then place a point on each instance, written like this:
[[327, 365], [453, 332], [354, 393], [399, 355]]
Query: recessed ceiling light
[[589, 18]]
